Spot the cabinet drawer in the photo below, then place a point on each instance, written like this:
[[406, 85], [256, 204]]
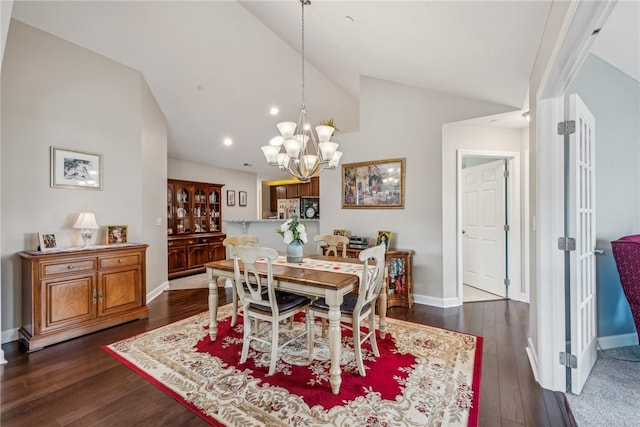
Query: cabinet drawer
[[120, 261], [71, 266]]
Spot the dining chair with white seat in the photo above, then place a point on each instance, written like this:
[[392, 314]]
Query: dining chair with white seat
[[261, 301], [356, 308], [332, 244], [230, 243]]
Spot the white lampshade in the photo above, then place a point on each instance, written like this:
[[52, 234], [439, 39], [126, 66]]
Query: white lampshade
[[283, 160], [324, 133], [86, 221], [286, 129], [309, 162], [270, 153], [335, 160], [293, 147], [327, 149]]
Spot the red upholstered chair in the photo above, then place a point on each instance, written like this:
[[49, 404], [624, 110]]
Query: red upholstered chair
[[626, 252]]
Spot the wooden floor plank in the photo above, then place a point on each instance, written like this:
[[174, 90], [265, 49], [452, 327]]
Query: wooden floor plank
[[58, 385]]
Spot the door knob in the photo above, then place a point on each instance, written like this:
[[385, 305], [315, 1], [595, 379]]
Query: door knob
[[464, 231]]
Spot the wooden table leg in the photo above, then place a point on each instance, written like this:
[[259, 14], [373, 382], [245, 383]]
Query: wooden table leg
[[335, 339], [213, 304]]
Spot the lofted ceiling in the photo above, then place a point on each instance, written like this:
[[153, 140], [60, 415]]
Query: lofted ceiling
[[217, 67]]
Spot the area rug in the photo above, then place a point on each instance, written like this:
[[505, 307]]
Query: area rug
[[425, 376]]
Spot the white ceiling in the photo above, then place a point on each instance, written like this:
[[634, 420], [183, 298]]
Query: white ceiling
[[216, 67]]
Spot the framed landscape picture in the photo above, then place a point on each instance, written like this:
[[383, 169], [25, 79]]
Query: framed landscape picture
[[375, 184], [75, 169]]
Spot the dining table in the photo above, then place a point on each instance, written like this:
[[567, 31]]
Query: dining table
[[301, 279]]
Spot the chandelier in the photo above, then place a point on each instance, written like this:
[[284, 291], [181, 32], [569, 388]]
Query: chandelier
[[300, 152]]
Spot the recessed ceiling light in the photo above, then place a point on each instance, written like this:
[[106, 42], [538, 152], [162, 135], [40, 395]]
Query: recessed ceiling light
[[274, 111], [227, 141], [247, 165]]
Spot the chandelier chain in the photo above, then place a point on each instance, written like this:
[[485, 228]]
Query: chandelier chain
[[302, 47]]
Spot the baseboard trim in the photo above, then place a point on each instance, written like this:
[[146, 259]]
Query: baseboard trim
[[9, 335], [533, 359], [614, 341], [157, 291], [436, 302]]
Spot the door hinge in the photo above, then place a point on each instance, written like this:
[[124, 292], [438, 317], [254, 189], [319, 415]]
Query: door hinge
[[505, 174], [507, 227], [507, 282], [566, 244], [568, 360], [567, 128]]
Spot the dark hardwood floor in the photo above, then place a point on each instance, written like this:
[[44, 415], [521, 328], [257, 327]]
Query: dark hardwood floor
[[76, 383]]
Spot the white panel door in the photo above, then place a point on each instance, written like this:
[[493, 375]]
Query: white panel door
[[582, 226], [483, 220]]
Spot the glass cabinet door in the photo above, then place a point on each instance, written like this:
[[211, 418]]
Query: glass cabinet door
[[214, 209], [183, 209], [199, 210], [170, 210]]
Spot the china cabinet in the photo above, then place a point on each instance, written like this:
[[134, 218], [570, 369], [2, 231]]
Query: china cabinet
[[194, 226], [71, 292], [399, 284]]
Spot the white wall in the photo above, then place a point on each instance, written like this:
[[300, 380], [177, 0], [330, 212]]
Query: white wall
[[154, 196], [232, 180], [402, 121], [457, 136], [58, 94]]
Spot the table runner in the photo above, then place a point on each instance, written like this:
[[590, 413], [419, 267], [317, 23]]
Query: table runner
[[322, 265]]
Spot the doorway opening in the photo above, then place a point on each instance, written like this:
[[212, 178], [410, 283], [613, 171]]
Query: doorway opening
[[488, 226]]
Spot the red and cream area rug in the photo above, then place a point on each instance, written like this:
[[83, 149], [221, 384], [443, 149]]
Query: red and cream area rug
[[425, 376]]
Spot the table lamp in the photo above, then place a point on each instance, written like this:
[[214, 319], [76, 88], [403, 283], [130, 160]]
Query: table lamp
[[87, 223]]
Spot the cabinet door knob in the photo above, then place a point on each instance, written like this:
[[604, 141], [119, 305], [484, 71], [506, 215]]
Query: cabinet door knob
[[121, 260], [70, 267], [191, 242]]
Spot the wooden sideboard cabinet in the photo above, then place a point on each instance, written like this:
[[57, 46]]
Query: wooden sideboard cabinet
[[69, 293], [399, 284]]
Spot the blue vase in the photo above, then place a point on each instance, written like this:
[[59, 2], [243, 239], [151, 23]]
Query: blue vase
[[294, 251]]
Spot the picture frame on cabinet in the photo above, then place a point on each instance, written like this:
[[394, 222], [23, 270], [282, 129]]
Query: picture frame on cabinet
[[384, 237], [231, 197], [47, 241], [75, 169], [117, 234], [242, 198], [375, 184]]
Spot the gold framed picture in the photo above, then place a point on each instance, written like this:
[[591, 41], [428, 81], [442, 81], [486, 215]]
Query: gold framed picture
[[375, 184], [384, 237]]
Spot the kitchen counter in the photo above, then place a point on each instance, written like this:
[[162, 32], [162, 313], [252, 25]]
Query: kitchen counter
[[266, 230]]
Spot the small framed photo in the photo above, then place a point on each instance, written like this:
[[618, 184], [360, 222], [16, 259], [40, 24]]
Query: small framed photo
[[344, 233], [117, 234], [231, 197], [242, 198], [384, 237], [47, 241], [75, 169]]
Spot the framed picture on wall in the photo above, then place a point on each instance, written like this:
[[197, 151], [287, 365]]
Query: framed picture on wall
[[375, 184], [75, 169], [231, 197], [242, 196]]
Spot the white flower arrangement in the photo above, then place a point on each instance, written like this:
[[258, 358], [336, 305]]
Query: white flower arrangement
[[292, 230]]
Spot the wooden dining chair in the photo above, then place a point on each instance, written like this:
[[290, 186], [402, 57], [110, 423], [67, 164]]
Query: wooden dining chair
[[230, 243], [261, 301], [356, 308], [332, 243]]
